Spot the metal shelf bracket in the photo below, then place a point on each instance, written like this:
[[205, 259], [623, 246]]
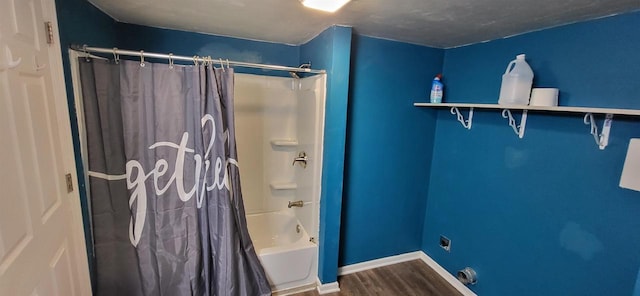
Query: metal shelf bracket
[[518, 129], [602, 140], [465, 123]]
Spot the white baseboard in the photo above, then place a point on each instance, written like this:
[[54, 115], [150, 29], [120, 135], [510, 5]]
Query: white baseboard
[[353, 268], [403, 258], [328, 288], [446, 275]]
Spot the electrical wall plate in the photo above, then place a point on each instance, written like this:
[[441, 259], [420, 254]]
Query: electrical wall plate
[[445, 243]]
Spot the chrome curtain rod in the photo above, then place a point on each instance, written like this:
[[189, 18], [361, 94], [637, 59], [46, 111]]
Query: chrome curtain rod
[[115, 51]]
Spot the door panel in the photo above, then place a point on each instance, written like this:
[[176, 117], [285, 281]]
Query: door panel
[[15, 220]]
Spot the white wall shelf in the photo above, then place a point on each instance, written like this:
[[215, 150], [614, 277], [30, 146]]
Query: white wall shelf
[[283, 186], [632, 112], [284, 142], [602, 139]]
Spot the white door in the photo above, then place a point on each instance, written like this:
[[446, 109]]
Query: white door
[[41, 241]]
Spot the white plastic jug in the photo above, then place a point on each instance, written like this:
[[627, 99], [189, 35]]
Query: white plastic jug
[[516, 83]]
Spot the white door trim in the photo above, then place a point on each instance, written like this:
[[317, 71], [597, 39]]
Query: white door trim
[[64, 122]]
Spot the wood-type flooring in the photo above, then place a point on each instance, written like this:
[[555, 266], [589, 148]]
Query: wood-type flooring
[[402, 279]]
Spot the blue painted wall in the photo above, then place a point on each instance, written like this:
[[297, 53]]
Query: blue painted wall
[[151, 39], [541, 215], [636, 290], [593, 63], [389, 144], [331, 50], [78, 23]]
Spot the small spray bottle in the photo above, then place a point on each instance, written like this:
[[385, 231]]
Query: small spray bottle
[[436, 90]]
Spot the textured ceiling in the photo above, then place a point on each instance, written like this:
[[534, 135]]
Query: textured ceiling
[[437, 23]]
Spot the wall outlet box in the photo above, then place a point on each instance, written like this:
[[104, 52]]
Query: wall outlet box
[[445, 243]]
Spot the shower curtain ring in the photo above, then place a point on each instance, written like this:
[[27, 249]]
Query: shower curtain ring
[[228, 64], [142, 64], [86, 52], [195, 60], [222, 65], [170, 60], [116, 56]]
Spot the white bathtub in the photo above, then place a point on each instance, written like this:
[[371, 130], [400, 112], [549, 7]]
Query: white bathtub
[[287, 255]]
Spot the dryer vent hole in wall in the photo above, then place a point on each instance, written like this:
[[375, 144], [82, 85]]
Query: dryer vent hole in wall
[[445, 243], [467, 276]]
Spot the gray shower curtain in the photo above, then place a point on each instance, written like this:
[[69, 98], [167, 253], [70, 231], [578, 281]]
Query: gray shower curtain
[[166, 204]]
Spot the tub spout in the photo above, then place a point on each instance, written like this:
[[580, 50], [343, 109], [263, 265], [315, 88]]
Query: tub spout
[[298, 203]]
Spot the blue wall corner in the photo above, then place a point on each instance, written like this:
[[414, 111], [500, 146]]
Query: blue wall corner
[[546, 208], [389, 144], [331, 50]]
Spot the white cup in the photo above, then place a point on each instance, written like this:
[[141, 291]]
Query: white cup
[[544, 97]]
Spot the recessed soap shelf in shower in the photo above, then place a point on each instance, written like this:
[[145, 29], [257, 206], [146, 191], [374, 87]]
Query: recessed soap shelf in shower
[[284, 142], [283, 186]]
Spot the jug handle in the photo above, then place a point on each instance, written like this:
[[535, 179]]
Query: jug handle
[[509, 67]]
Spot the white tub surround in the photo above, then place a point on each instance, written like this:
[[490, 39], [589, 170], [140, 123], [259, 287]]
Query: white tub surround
[[277, 119]]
